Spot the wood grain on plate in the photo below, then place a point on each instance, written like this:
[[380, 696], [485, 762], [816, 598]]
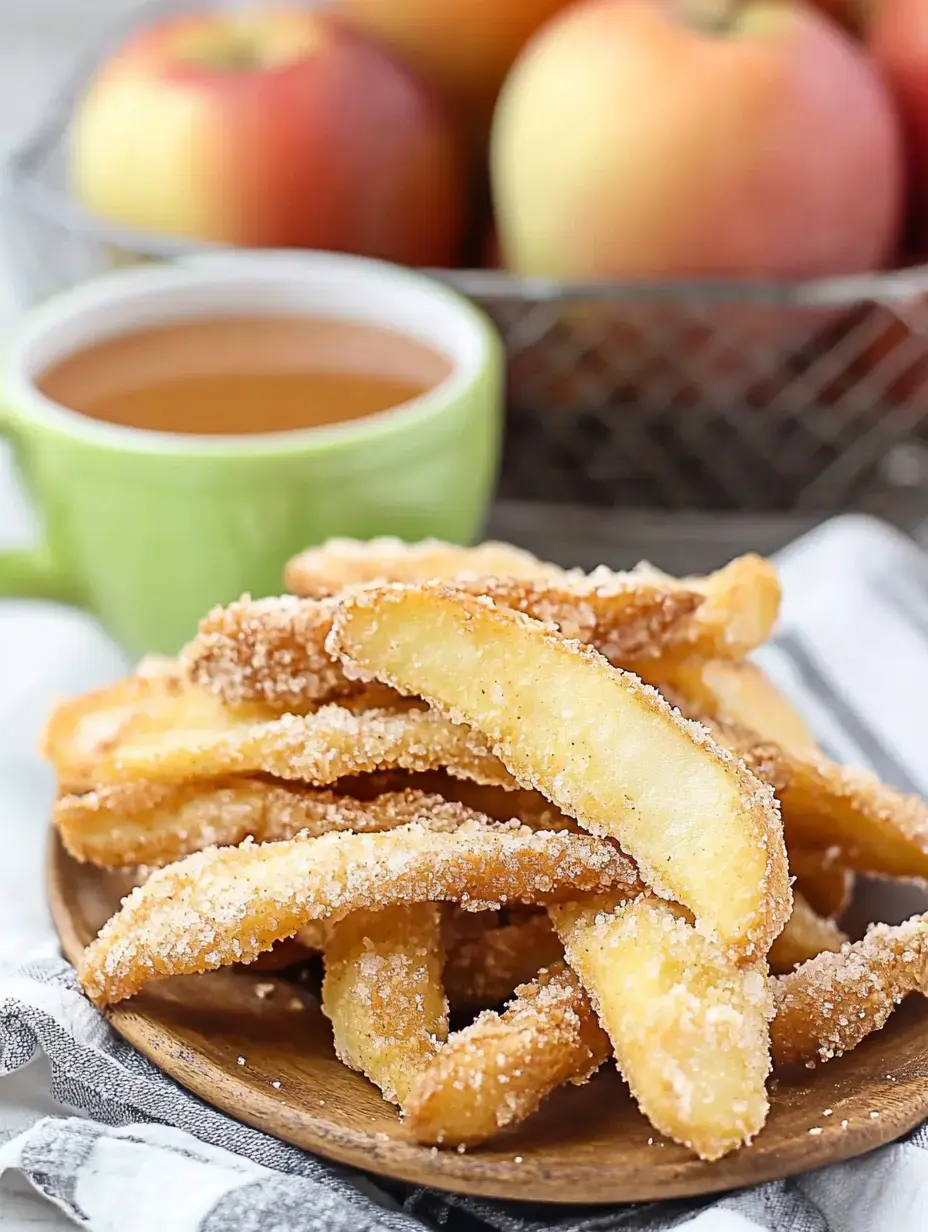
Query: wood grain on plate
[[587, 1144]]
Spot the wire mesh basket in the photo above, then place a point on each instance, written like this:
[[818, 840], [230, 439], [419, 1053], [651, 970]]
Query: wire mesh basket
[[720, 396]]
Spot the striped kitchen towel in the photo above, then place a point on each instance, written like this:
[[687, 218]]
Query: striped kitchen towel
[[120, 1146]]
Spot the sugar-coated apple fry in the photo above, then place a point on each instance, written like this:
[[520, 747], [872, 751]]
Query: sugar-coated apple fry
[[738, 692], [383, 993], [156, 823], [229, 904], [182, 732], [78, 731], [740, 607], [485, 969], [821, 880], [831, 1003], [870, 827], [806, 934], [340, 563], [267, 650], [494, 1073], [273, 650], [689, 1026], [602, 746], [740, 602]]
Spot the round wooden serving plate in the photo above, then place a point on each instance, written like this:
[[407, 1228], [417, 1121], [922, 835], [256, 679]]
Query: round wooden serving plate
[[587, 1144]]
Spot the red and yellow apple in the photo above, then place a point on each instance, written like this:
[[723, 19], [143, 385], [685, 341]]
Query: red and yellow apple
[[695, 138], [463, 47], [271, 128], [854, 15], [899, 44]]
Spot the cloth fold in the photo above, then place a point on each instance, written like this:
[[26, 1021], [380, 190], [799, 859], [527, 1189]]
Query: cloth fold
[[129, 1149]]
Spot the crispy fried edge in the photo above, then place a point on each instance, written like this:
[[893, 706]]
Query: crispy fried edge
[[273, 650], [689, 1027], [383, 993], [805, 935], [318, 748], [873, 827], [495, 1073], [157, 823], [734, 691], [484, 970], [229, 904], [339, 563], [831, 1003]]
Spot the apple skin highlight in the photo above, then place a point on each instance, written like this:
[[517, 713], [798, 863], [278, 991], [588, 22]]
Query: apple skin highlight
[[634, 140], [294, 131]]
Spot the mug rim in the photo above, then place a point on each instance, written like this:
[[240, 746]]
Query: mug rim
[[25, 404]]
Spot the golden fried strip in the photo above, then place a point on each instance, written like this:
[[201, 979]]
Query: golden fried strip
[[228, 904], [737, 692], [156, 823], [867, 826], [267, 650], [496, 1072], [178, 732], [806, 934], [739, 609], [79, 731], [605, 748], [273, 650], [485, 969], [689, 1027], [340, 563], [383, 993], [875, 828], [741, 604], [821, 880], [830, 1004], [872, 828]]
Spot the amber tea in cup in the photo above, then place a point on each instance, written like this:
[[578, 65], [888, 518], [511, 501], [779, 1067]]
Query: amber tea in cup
[[242, 375]]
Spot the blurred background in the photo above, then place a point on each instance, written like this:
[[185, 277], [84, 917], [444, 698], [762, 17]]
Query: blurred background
[[776, 371]]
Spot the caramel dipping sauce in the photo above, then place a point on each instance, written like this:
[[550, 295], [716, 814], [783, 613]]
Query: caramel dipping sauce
[[241, 375]]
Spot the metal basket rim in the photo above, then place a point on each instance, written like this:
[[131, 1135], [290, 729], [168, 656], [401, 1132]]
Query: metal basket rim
[[18, 179]]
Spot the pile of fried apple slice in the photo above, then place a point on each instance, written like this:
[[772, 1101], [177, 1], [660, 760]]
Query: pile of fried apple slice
[[479, 784]]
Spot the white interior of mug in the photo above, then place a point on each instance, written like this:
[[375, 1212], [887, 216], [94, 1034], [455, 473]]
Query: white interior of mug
[[329, 285]]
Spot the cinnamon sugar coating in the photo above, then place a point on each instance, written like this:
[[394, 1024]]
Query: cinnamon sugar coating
[[157, 823], [229, 904], [737, 606], [383, 993], [688, 1025], [601, 745], [273, 650], [869, 826], [185, 733], [341, 563], [494, 1073], [831, 1003], [806, 934], [485, 969]]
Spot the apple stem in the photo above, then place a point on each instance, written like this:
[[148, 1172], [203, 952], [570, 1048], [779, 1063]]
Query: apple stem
[[716, 18]]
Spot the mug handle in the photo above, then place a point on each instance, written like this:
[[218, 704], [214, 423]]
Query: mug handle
[[32, 572]]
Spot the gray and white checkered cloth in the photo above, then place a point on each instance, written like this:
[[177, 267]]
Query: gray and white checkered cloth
[[124, 1147]]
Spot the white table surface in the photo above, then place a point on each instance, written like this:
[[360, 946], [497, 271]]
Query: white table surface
[[39, 40]]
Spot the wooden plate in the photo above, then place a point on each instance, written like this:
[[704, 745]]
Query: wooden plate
[[587, 1144]]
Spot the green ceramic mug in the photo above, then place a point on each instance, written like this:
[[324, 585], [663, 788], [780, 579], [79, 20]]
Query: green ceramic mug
[[148, 530]]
